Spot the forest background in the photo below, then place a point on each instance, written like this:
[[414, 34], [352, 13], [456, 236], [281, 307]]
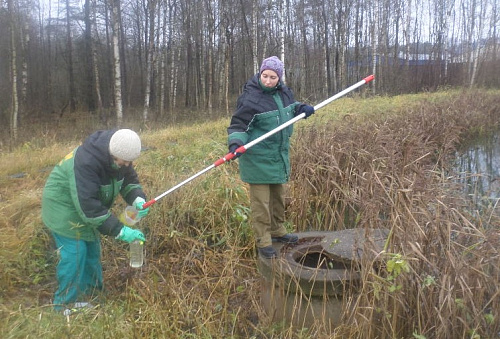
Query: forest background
[[164, 61]]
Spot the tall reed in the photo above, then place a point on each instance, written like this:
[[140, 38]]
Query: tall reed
[[391, 171]]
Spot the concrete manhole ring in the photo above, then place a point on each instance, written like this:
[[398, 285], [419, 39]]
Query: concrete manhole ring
[[306, 266]]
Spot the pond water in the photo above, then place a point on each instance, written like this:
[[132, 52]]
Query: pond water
[[478, 168]]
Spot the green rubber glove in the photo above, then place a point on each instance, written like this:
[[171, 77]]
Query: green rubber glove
[[138, 202], [128, 234]]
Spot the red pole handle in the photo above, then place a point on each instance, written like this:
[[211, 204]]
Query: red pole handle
[[369, 78], [149, 203], [230, 156]]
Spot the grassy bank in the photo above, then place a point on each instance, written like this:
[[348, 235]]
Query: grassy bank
[[367, 163]]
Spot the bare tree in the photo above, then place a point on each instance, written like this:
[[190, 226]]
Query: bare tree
[[327, 63], [255, 35], [374, 26], [13, 71], [95, 63], [170, 58], [281, 28], [227, 32], [169, 53], [151, 7], [163, 56], [115, 18], [89, 56], [358, 36], [477, 15], [69, 51], [24, 26], [493, 34]]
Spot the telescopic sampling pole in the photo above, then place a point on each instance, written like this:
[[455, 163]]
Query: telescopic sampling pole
[[244, 148]]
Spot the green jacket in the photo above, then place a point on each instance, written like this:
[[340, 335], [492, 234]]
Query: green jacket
[[260, 110], [82, 187]]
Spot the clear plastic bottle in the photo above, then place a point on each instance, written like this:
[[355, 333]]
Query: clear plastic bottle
[[136, 253]]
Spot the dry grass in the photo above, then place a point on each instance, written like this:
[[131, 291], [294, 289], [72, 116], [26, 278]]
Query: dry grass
[[380, 162], [391, 171]]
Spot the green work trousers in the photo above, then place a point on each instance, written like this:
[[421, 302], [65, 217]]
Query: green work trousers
[[267, 203], [79, 270]]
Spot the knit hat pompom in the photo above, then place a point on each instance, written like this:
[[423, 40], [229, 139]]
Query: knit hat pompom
[[125, 144], [273, 64]]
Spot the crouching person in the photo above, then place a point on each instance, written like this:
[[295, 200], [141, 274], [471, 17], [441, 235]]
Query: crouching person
[[76, 203]]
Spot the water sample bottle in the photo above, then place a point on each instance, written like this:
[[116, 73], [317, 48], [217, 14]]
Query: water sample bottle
[[136, 253]]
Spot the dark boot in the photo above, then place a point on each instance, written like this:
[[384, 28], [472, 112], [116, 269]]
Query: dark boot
[[267, 252], [286, 239]]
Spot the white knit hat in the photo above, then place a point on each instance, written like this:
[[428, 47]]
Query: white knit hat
[[125, 144]]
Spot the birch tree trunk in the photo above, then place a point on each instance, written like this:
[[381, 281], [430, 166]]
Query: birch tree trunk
[[357, 38], [341, 32], [255, 35], [327, 62], [25, 41], [170, 61], [281, 25], [189, 42], [476, 54], [446, 33], [226, 32], [95, 70], [210, 50], [150, 58], [406, 34], [304, 64], [268, 17], [109, 70], [174, 80], [89, 59], [69, 48], [121, 46], [116, 62], [50, 81], [163, 64], [374, 39], [13, 73], [226, 76]]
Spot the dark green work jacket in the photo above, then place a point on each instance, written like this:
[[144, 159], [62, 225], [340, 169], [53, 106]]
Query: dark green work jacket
[[82, 187], [260, 110]]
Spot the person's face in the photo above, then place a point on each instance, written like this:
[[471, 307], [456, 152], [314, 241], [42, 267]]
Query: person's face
[[269, 78], [120, 162]]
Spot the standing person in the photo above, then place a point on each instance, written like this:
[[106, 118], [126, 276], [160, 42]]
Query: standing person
[[265, 104], [76, 203]]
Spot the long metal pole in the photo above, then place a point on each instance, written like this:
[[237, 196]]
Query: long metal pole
[[244, 148]]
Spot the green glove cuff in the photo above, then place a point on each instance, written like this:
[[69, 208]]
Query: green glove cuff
[[138, 202], [128, 235], [143, 213]]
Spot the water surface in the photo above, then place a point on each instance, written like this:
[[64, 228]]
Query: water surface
[[478, 168]]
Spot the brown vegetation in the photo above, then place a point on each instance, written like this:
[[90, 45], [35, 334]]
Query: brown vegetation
[[380, 162], [390, 170]]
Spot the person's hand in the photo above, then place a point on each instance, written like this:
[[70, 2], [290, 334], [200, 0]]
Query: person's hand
[[141, 212], [308, 110], [232, 149], [128, 234]]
